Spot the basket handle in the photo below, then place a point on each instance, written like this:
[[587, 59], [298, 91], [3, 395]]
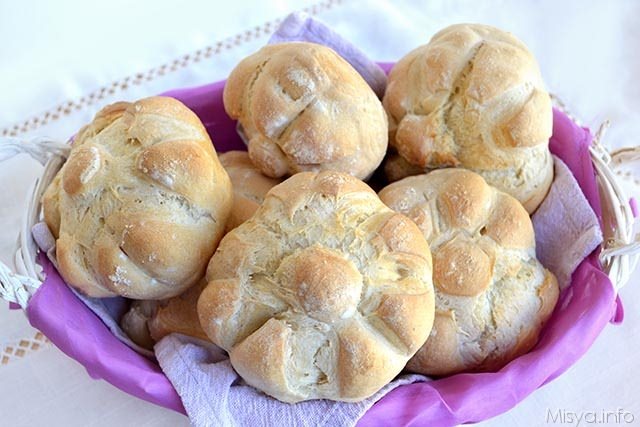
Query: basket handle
[[16, 288], [620, 253], [19, 287], [41, 149]]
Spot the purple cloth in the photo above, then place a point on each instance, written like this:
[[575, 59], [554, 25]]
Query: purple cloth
[[583, 311], [633, 204], [77, 331], [301, 27]]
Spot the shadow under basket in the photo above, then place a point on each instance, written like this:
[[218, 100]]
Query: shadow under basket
[[583, 310]]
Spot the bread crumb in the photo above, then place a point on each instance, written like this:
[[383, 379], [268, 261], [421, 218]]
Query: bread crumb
[[119, 277]]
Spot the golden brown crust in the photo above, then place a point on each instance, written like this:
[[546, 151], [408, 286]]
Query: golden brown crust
[[460, 268], [178, 315], [249, 186], [395, 310], [492, 294], [269, 370], [396, 168], [464, 199], [148, 321], [510, 225], [323, 293], [135, 322], [442, 355], [473, 97], [304, 108], [548, 292], [51, 206], [364, 365], [398, 233], [140, 205]]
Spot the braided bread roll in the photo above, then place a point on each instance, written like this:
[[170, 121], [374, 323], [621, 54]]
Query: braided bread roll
[[249, 186], [473, 97], [323, 293], [304, 108], [492, 294], [140, 205]]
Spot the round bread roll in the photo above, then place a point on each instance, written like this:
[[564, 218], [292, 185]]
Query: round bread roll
[[178, 314], [492, 294], [140, 205], [325, 293], [147, 322], [135, 322], [249, 186], [304, 108], [473, 97], [396, 168]]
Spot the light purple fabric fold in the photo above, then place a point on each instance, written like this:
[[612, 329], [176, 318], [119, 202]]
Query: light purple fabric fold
[[200, 370], [566, 228], [43, 237], [300, 26]]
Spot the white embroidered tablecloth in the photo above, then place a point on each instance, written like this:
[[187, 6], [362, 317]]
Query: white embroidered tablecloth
[[61, 61]]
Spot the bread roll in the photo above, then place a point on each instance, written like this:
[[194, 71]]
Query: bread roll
[[323, 293], [396, 168], [147, 322], [249, 186], [304, 108], [178, 314], [492, 294], [135, 322], [140, 205], [473, 97]]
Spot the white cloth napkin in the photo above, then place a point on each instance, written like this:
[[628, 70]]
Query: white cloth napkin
[[567, 229], [214, 395]]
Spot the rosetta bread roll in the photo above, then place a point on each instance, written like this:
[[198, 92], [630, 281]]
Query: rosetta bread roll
[[147, 322], [141, 203], [473, 97], [492, 294], [135, 322], [325, 293], [304, 108], [249, 186]]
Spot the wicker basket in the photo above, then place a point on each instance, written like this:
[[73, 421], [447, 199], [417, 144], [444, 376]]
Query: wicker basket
[[618, 256]]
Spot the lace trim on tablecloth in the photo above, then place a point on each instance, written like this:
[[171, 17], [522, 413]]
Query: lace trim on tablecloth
[[23, 347], [68, 107]]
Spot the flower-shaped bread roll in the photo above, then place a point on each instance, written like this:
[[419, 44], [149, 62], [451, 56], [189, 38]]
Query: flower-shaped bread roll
[[304, 108], [473, 97], [323, 293], [492, 294], [140, 205]]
